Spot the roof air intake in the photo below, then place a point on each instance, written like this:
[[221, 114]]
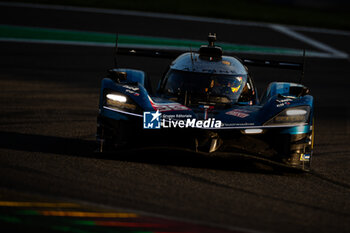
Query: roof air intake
[[210, 51]]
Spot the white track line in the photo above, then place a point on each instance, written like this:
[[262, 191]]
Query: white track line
[[170, 16], [134, 13], [321, 30], [287, 30], [59, 42], [160, 47]]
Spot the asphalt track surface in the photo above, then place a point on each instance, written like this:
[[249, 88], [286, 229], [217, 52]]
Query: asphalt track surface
[[49, 102]]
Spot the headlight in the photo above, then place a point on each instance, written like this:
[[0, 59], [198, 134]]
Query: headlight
[[116, 97], [252, 131], [296, 112], [289, 116], [119, 101]]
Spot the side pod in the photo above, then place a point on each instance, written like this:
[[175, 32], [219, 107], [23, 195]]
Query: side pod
[[284, 89]]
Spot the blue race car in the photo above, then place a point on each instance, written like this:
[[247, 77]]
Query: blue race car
[[208, 102]]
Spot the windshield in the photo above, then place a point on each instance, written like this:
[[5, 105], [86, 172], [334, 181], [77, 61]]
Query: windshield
[[190, 87]]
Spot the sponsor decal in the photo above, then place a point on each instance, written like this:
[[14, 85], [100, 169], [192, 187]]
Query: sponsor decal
[[131, 87], [241, 113], [132, 92], [169, 107], [226, 62], [245, 124], [305, 157], [206, 108], [283, 102]]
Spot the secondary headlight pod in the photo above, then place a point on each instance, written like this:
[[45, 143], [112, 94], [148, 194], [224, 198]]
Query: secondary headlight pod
[[119, 101], [296, 115]]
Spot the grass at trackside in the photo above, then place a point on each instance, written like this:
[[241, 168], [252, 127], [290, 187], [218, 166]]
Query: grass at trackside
[[253, 10]]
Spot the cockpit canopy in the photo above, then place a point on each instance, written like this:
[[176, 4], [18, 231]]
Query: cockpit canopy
[[209, 88], [207, 77]]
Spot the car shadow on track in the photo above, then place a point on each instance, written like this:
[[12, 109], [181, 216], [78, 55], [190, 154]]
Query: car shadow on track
[[158, 156], [185, 158]]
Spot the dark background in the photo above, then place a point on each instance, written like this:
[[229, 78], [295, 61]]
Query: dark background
[[49, 103]]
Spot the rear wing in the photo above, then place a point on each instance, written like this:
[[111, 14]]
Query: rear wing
[[274, 64], [148, 52], [174, 53]]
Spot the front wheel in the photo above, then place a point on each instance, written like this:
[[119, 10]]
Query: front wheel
[[111, 134], [301, 151], [104, 142]]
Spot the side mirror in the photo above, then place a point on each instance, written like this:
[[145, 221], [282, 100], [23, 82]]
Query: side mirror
[[299, 91], [116, 75]]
